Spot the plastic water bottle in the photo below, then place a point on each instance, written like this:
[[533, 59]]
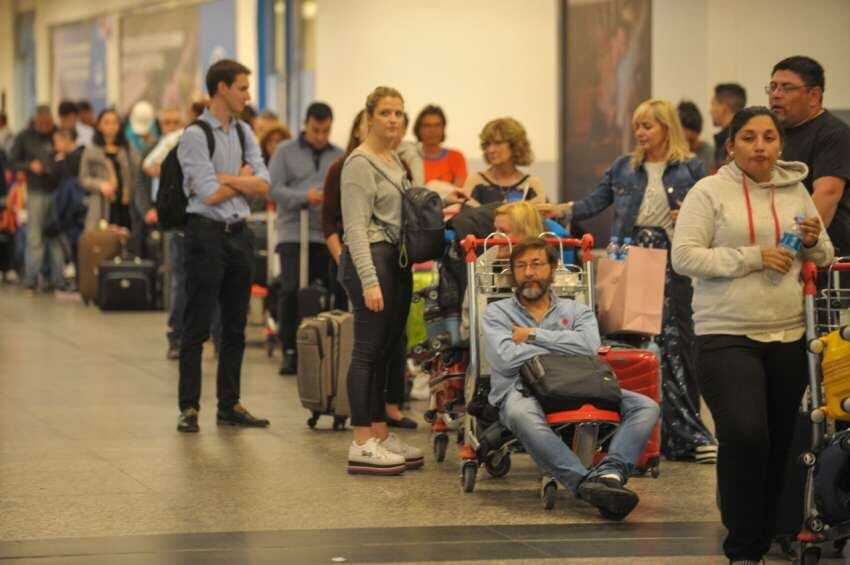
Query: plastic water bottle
[[613, 249], [791, 240], [624, 249]]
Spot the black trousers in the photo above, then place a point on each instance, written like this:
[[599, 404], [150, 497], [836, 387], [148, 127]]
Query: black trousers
[[218, 268], [753, 390], [376, 375], [319, 262]]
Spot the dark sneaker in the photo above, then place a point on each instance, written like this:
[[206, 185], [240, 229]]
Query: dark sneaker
[[187, 422], [405, 423], [239, 416], [613, 500], [173, 351], [290, 363]]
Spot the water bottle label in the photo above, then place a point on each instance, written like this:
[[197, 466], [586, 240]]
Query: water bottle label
[[791, 241]]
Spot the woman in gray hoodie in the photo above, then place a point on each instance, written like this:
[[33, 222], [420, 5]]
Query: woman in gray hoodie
[[748, 317]]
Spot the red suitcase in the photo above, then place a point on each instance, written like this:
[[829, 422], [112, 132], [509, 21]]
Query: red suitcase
[[638, 371]]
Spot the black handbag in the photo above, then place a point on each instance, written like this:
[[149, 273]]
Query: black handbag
[[561, 382]]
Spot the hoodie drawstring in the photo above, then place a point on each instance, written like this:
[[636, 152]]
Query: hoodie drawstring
[[750, 211]]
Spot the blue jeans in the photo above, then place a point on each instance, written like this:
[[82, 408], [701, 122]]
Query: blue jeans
[[42, 249], [526, 419], [178, 293]]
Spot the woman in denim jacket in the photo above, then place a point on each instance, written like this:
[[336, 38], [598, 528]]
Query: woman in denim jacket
[[646, 188]]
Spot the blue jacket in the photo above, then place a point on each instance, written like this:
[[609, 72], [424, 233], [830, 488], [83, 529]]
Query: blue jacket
[[624, 186], [568, 327]]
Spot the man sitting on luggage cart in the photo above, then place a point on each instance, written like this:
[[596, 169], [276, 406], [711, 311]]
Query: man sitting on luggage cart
[[536, 322]]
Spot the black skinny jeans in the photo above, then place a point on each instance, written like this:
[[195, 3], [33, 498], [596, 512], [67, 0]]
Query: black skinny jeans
[[753, 390], [218, 268], [376, 375]]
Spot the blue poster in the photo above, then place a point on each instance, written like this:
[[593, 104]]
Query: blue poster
[[217, 35]]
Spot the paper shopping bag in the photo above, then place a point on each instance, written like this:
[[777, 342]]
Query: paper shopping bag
[[630, 293]]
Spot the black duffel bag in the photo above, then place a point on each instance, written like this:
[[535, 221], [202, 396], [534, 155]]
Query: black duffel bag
[[561, 382]]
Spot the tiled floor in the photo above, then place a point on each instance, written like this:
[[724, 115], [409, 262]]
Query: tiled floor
[[92, 471]]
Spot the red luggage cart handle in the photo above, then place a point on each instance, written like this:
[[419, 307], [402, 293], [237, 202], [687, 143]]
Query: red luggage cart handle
[[809, 273], [470, 243]]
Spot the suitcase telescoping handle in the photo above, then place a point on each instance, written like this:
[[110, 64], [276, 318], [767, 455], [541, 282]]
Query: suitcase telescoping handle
[[304, 249]]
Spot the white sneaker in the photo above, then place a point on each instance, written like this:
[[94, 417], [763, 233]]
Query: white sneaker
[[420, 390], [372, 458], [414, 458]]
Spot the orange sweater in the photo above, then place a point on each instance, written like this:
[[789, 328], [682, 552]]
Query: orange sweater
[[450, 166]]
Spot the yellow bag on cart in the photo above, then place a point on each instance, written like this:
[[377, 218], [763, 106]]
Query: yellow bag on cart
[[836, 375]]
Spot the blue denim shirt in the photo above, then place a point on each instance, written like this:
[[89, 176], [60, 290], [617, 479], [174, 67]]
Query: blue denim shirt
[[568, 327], [199, 171], [624, 186]]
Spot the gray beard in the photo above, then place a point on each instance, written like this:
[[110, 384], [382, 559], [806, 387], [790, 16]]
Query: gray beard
[[534, 291]]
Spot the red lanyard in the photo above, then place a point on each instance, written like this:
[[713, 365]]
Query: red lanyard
[[750, 211]]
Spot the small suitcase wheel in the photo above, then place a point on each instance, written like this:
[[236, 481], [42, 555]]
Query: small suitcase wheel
[[815, 524], [808, 459], [654, 471], [339, 423], [467, 479], [311, 421], [498, 466], [441, 443]]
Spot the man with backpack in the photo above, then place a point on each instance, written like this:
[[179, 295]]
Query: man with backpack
[[221, 165]]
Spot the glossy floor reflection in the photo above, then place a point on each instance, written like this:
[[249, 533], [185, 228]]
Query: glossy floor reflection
[[92, 471]]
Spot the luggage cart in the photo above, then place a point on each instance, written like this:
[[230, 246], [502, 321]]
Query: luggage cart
[[586, 429], [827, 400]]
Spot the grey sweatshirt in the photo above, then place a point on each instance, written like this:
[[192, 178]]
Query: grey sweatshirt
[[712, 244], [371, 209]]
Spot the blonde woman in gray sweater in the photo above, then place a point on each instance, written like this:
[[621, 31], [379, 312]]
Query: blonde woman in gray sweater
[[373, 180], [750, 331]]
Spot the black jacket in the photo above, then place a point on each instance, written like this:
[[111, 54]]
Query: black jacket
[[30, 146]]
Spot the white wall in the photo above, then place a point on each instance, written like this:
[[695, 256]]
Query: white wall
[[7, 56], [699, 43], [478, 59]]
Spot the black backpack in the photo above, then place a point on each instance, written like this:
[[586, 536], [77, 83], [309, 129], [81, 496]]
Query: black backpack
[[422, 227], [171, 200]]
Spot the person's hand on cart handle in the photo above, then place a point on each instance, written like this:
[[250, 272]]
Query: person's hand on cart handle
[[810, 229], [374, 298], [520, 334], [776, 259], [315, 196]]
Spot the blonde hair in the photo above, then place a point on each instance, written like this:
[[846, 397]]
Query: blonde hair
[[378, 94], [510, 130], [526, 220], [666, 115]]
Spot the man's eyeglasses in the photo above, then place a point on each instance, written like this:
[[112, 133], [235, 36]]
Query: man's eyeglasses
[[535, 265], [784, 88]]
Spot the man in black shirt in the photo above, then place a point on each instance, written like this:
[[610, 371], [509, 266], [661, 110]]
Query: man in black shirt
[[817, 138], [729, 97]]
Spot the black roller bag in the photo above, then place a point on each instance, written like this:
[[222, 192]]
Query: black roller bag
[[127, 283]]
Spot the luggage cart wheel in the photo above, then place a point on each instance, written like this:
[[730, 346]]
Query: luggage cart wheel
[[467, 476], [498, 465], [548, 493], [811, 556], [339, 423], [655, 471], [845, 444], [441, 443], [815, 524], [311, 421], [808, 459]]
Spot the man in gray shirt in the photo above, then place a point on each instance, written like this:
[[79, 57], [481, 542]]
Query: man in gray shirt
[[218, 244], [298, 169]]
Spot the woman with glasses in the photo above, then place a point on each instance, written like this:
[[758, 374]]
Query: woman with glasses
[[646, 188], [440, 163], [506, 147]]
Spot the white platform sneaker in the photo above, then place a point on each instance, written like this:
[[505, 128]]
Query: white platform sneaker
[[372, 458], [414, 458]]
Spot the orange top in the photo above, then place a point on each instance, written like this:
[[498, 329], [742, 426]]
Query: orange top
[[450, 166]]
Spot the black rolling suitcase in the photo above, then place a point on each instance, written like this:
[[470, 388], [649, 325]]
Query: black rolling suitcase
[[127, 283], [313, 297]]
